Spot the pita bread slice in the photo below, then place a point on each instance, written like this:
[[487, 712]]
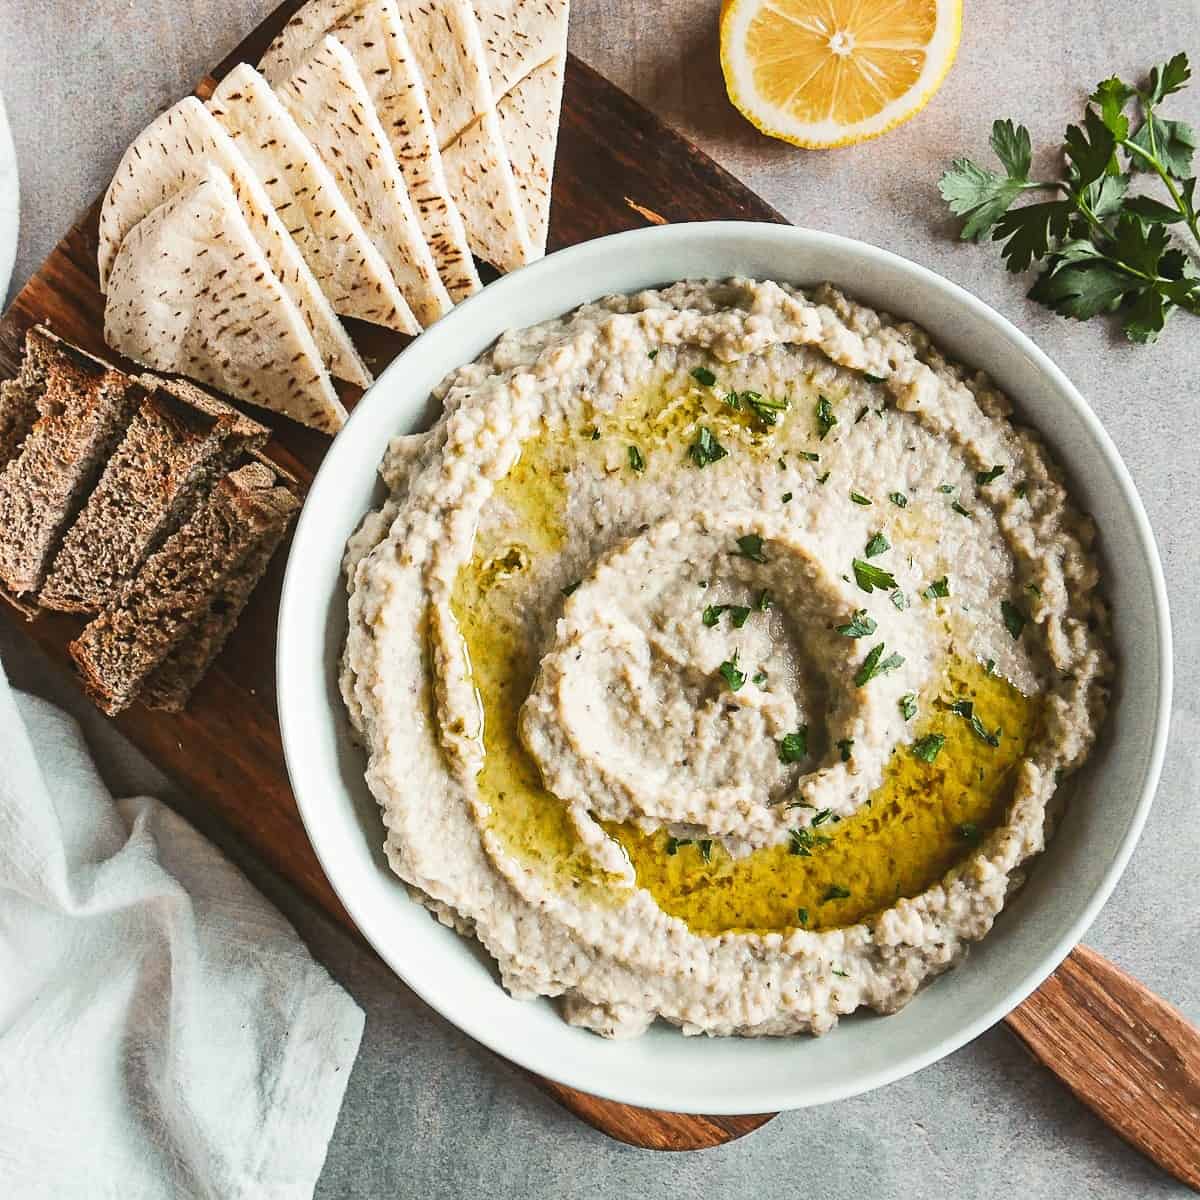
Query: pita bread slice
[[444, 38], [171, 152], [348, 267], [191, 292], [329, 101], [519, 35], [376, 40]]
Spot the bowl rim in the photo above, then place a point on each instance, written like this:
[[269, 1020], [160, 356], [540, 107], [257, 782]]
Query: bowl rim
[[631, 242]]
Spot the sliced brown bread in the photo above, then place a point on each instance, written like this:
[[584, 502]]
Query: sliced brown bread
[[177, 585], [83, 406], [173, 681], [180, 440], [19, 396]]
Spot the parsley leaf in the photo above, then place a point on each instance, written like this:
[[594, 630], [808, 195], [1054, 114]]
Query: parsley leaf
[[899, 600], [870, 577], [750, 546], [802, 917], [794, 746], [730, 673], [875, 664], [835, 891], [969, 832], [860, 625], [636, 461], [846, 747], [877, 545], [703, 376], [1014, 618], [826, 419], [908, 705], [899, 499], [859, 498], [928, 747], [939, 589], [712, 614], [739, 614], [571, 588], [985, 477], [706, 449]]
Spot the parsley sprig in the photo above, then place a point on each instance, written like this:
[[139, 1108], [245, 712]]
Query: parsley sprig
[[1102, 249]]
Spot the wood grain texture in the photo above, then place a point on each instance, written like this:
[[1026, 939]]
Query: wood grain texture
[[618, 168], [616, 164], [1131, 1057]]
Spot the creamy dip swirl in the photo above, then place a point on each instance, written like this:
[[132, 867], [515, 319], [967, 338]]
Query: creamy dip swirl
[[717, 655]]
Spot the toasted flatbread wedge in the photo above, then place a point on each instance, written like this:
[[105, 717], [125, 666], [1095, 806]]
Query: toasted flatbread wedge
[[191, 291], [446, 45], [172, 152], [525, 44], [377, 42], [348, 267], [329, 101]]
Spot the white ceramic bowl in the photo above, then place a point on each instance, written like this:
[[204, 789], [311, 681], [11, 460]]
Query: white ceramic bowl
[[664, 1069]]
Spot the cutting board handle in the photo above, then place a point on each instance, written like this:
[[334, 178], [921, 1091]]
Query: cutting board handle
[[1131, 1057]]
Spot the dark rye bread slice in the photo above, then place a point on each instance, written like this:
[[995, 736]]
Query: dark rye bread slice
[[180, 440], [178, 584], [172, 683], [83, 406]]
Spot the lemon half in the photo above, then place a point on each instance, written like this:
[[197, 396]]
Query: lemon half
[[821, 73]]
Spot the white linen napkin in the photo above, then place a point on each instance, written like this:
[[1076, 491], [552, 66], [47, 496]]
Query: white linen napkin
[[163, 1030]]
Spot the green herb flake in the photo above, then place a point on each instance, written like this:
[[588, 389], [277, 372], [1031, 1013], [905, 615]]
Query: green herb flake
[[759, 679], [838, 971], [875, 664], [765, 408], [673, 844], [908, 705], [877, 545], [800, 842], [712, 614], [945, 488], [826, 418], [899, 600], [929, 747], [962, 512], [990, 667], [860, 625], [982, 478], [636, 461], [899, 499], [571, 588], [1014, 618], [969, 832], [703, 376], [846, 748], [730, 673], [873, 378], [809, 456], [859, 498], [750, 546], [787, 497], [1021, 491], [822, 479], [869, 577], [835, 891], [652, 355], [733, 400], [739, 614], [706, 449], [794, 746], [862, 412], [764, 600], [705, 848], [939, 589], [802, 917]]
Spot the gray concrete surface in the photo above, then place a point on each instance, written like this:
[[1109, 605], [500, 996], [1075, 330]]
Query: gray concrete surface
[[428, 1114]]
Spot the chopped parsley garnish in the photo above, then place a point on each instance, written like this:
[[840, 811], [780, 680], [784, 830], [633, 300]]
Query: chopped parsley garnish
[[966, 710], [929, 747], [986, 477], [875, 664], [846, 746], [824, 815], [837, 971], [782, 464], [809, 456], [703, 375], [1033, 590], [939, 589], [730, 673], [706, 449], [787, 497], [862, 412], [962, 512], [860, 625], [673, 844], [946, 488], [571, 587], [1021, 491], [826, 418], [869, 577], [794, 746], [734, 400], [712, 614], [969, 832], [764, 600], [899, 499], [705, 848], [823, 478], [750, 546], [765, 408], [989, 667], [759, 679], [899, 599], [908, 705], [636, 461], [802, 917], [877, 545], [835, 891], [873, 378], [859, 498], [801, 842], [653, 354], [739, 614], [1014, 618]]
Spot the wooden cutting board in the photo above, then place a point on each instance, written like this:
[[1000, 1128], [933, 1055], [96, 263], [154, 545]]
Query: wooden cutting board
[[618, 167]]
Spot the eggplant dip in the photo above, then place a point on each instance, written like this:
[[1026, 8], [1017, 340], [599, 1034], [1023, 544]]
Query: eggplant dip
[[718, 654]]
